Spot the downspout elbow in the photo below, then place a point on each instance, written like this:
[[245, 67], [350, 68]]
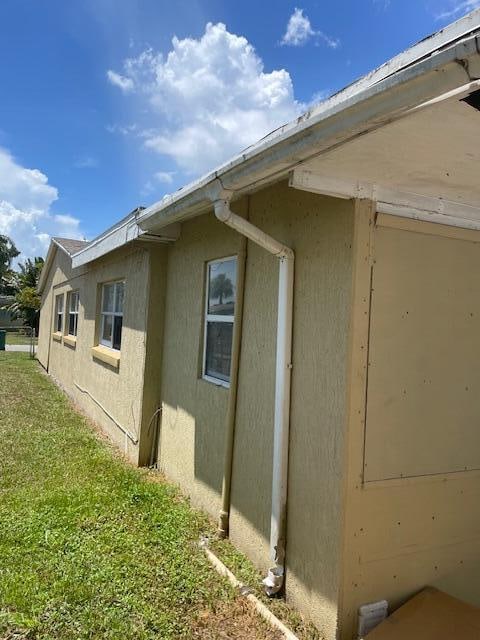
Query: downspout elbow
[[274, 582], [222, 210]]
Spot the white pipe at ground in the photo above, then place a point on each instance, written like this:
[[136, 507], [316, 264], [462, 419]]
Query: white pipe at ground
[[275, 578], [261, 609]]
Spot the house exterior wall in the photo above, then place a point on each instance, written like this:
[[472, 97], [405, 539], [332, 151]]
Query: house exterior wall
[[90, 382], [60, 273], [193, 419], [320, 230], [413, 485]]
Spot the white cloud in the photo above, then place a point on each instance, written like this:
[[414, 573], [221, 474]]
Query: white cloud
[[299, 31], [166, 177], [458, 9], [125, 84], [25, 201], [208, 98]]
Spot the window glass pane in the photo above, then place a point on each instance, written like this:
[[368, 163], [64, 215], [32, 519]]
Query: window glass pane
[[218, 350], [108, 292], [107, 328], [117, 332], [119, 297], [221, 287], [59, 304], [71, 324], [59, 321], [74, 301]]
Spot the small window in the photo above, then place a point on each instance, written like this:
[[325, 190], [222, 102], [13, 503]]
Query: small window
[[219, 318], [73, 313], [59, 313], [112, 315]]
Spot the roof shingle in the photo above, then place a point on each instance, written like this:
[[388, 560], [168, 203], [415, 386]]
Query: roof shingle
[[71, 246]]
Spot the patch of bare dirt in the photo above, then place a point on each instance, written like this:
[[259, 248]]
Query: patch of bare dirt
[[236, 620]]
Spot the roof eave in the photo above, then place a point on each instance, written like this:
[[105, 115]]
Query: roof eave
[[369, 109], [390, 92]]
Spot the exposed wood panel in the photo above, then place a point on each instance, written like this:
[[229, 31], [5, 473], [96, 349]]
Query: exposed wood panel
[[434, 152], [401, 534], [423, 399]]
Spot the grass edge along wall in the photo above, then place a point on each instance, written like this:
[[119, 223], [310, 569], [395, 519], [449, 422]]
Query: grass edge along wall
[[320, 577], [192, 430]]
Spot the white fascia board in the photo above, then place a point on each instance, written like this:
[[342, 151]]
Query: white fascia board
[[52, 249], [329, 186], [461, 28], [437, 210], [325, 129], [119, 237], [109, 241], [391, 201]]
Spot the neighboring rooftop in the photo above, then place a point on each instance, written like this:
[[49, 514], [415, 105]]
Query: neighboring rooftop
[[70, 245]]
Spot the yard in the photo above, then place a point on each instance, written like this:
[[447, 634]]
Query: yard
[[89, 546], [93, 548], [16, 338]]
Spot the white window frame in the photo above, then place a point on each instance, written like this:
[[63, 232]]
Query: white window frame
[[211, 317], [59, 312], [73, 312], [102, 341]]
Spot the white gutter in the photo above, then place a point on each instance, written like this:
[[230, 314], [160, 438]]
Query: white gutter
[[283, 369], [435, 66], [330, 125]]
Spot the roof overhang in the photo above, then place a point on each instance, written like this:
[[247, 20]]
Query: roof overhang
[[422, 166], [125, 232], [436, 71], [52, 250]]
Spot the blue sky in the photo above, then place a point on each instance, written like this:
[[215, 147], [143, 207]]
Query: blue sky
[[101, 112]]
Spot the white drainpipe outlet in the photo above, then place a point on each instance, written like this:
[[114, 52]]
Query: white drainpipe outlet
[[275, 578]]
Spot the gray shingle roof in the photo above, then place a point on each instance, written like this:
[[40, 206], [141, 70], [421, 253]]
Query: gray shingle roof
[[71, 246]]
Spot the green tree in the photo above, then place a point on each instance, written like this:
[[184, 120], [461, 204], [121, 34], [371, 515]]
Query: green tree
[[24, 284], [8, 251], [221, 287]]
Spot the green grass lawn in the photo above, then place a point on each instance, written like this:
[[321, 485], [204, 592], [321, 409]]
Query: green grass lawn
[[14, 337], [89, 546]]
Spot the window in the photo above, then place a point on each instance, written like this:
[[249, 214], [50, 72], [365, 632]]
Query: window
[[112, 315], [219, 317], [59, 313], [73, 313]]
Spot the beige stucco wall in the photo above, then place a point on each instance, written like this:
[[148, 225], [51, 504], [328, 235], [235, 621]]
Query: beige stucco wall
[[59, 274], [320, 230], [152, 380], [119, 391], [412, 517], [192, 430]]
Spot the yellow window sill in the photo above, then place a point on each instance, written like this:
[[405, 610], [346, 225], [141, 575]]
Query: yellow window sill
[[104, 354], [71, 341], [57, 336]]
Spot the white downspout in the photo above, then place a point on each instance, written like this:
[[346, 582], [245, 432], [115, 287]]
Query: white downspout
[[275, 578]]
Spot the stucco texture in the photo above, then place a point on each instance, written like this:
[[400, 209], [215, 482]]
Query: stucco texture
[[193, 418], [320, 230], [119, 390]]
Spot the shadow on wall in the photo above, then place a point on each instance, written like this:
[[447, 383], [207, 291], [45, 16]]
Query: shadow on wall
[[192, 445]]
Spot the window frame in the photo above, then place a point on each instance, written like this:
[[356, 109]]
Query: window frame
[[71, 294], [59, 313], [101, 340], [211, 317]]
